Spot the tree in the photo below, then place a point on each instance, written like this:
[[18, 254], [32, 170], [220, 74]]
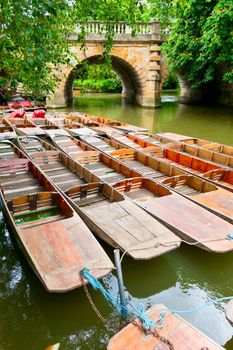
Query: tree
[[200, 44], [34, 37]]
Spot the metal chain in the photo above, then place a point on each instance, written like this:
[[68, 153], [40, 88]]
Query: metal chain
[[110, 327], [145, 331], [155, 334], [91, 300]]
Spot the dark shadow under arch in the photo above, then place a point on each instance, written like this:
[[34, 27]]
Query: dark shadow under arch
[[131, 83]]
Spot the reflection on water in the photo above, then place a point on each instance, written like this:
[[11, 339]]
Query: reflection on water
[[31, 318]]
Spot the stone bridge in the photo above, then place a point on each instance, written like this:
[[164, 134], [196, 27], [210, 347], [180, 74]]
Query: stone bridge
[[136, 59]]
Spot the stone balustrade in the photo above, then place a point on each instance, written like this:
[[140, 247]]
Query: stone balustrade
[[139, 31]]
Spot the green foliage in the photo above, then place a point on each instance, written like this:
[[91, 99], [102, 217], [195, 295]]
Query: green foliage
[[34, 37], [111, 85], [171, 81], [200, 43], [98, 77]]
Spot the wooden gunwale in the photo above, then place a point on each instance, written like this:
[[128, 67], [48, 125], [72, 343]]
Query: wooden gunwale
[[59, 272]]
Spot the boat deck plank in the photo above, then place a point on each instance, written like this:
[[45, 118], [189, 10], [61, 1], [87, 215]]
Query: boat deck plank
[[181, 334]]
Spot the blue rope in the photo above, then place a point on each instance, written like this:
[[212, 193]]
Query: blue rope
[[229, 237], [211, 302], [140, 310]]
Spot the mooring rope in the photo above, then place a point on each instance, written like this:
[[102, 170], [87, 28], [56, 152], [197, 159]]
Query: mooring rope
[[131, 312]]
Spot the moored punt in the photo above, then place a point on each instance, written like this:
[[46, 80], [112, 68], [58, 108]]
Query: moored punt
[[142, 163], [6, 130], [77, 131], [30, 144], [177, 332], [120, 222], [209, 145], [204, 153], [23, 126], [194, 224], [54, 239], [124, 127], [215, 199], [68, 144], [53, 132]]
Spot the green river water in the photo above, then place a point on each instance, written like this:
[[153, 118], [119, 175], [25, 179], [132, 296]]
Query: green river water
[[31, 318]]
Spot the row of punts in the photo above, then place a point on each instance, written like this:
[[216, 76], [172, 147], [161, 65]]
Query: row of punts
[[67, 176]]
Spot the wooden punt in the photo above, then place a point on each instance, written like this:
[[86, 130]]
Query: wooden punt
[[77, 131], [31, 144], [206, 144], [54, 239], [23, 127], [106, 212], [190, 164], [191, 222], [42, 123], [124, 127], [180, 333], [120, 222], [55, 131], [203, 153], [95, 123], [101, 166], [142, 163], [215, 199], [6, 130]]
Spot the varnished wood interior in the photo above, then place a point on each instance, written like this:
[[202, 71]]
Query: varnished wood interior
[[208, 153], [7, 150], [31, 144], [139, 161], [190, 185], [141, 189], [221, 176], [92, 193], [36, 202]]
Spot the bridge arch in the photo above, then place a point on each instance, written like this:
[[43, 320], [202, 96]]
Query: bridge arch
[[132, 81], [135, 59]]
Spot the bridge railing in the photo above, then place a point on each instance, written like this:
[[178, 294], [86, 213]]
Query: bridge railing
[[139, 31]]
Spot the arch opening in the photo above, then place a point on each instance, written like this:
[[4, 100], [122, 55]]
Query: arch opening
[[131, 83]]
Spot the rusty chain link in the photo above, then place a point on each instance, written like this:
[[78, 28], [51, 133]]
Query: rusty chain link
[[155, 334], [91, 300]]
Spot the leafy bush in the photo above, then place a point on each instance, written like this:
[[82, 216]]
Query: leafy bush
[[171, 81], [98, 77]]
